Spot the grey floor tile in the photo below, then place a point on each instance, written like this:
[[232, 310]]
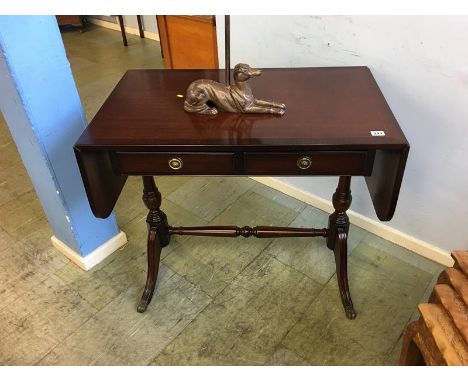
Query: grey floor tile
[[23, 210], [307, 255], [285, 357], [213, 263], [311, 255], [385, 293], [207, 197], [22, 269], [355, 236], [402, 253], [279, 197], [118, 335], [14, 181], [130, 204], [168, 184], [425, 297], [124, 269], [5, 240], [393, 356], [35, 235], [23, 348], [9, 156], [5, 136], [39, 320], [246, 322]]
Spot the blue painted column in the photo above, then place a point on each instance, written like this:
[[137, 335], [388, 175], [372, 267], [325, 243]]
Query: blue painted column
[[42, 108]]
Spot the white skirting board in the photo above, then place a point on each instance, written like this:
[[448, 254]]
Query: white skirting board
[[388, 233], [116, 27], [95, 257]]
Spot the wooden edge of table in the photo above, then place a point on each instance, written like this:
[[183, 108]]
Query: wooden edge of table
[[103, 184], [385, 181]]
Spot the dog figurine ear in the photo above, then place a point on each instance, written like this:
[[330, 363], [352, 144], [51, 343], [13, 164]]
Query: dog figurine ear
[[236, 98]]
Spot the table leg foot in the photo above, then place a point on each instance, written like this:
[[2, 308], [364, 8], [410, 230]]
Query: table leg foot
[[350, 312], [146, 298], [158, 238], [154, 254], [143, 305], [338, 227], [341, 261]]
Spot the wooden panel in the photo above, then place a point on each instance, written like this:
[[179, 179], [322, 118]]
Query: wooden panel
[[454, 306], [328, 109], [321, 163], [385, 181], [102, 185], [70, 20], [461, 261], [444, 334], [164, 41], [457, 280], [188, 41], [325, 108], [159, 163]]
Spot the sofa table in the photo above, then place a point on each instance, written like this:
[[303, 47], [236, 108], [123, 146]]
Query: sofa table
[[337, 123]]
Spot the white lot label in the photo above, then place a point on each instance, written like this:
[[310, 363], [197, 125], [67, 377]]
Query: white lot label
[[377, 133]]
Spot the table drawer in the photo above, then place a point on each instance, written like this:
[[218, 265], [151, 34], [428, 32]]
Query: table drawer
[[140, 163], [308, 163]]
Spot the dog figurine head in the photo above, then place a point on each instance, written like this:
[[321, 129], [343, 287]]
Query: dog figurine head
[[242, 72]]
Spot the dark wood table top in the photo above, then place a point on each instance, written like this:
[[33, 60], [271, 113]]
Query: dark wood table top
[[327, 108]]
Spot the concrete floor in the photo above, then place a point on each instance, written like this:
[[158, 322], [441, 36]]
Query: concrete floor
[[228, 302]]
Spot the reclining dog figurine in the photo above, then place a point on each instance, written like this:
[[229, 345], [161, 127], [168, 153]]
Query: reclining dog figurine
[[238, 98]]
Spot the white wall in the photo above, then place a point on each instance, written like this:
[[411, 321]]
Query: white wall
[[421, 65], [148, 21]]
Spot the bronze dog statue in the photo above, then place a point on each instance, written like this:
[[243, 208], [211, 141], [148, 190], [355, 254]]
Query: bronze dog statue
[[209, 97]]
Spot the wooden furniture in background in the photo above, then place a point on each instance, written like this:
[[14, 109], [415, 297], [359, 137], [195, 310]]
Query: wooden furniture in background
[[122, 28], [188, 41], [143, 130], [440, 335], [71, 20]]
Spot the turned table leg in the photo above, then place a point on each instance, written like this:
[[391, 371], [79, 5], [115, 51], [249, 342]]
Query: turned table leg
[[338, 226], [158, 238]]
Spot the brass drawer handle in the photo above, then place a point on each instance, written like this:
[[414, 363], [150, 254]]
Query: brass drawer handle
[[176, 163], [304, 163]]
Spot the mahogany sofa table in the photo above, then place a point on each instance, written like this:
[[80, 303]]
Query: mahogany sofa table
[[337, 123]]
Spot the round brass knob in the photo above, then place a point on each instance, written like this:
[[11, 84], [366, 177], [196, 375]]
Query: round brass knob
[[304, 163], [175, 163]]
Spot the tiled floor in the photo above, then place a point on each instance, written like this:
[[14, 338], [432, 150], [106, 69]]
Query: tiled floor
[[235, 301]]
